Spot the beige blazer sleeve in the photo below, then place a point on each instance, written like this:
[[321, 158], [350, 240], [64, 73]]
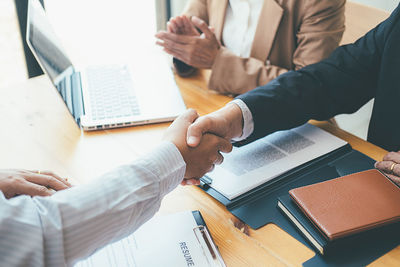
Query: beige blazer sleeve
[[231, 74], [198, 8], [320, 32]]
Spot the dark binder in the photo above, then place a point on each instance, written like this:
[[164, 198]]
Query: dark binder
[[303, 224], [363, 247], [257, 207]]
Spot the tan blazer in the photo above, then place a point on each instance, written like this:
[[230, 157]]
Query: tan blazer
[[290, 35]]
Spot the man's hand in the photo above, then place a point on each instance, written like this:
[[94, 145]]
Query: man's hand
[[22, 182], [390, 166], [196, 51], [226, 122], [182, 25], [201, 159]]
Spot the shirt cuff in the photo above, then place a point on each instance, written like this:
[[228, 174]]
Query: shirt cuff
[[167, 163], [248, 123]]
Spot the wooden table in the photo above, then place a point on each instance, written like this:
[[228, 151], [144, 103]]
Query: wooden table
[[38, 133]]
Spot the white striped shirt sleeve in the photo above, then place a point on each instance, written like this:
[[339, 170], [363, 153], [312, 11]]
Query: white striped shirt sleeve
[[70, 225]]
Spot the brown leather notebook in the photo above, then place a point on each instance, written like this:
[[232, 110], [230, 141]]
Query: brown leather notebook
[[350, 204]]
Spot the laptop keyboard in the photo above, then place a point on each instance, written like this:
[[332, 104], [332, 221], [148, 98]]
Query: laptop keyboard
[[111, 92]]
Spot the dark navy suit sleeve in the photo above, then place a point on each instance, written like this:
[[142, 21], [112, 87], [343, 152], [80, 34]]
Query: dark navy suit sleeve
[[339, 84]]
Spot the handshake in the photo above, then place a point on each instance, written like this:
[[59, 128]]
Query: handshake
[[200, 140]]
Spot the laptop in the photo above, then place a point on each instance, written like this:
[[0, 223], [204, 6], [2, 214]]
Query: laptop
[[101, 97]]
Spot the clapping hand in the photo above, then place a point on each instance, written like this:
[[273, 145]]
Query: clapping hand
[[32, 183], [184, 42], [182, 25], [390, 166], [201, 159]]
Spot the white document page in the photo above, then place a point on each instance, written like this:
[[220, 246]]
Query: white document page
[[254, 164], [163, 241]]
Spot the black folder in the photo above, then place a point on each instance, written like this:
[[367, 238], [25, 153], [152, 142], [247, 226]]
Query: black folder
[[359, 242], [304, 225], [358, 250], [258, 207]]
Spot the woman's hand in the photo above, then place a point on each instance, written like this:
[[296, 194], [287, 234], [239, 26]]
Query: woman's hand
[[198, 51], [182, 25]]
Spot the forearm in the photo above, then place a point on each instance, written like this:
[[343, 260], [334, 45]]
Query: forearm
[[318, 91], [277, 106], [342, 83], [133, 196], [231, 74], [73, 223]]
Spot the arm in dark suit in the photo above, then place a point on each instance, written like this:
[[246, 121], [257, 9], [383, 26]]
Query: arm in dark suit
[[340, 84]]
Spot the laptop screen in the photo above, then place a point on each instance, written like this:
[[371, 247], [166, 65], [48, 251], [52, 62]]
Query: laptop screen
[[45, 44]]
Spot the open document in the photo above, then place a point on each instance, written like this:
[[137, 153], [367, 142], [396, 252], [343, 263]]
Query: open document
[[179, 239], [254, 164]]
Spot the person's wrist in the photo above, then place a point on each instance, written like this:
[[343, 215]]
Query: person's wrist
[[215, 58], [234, 117], [171, 172]]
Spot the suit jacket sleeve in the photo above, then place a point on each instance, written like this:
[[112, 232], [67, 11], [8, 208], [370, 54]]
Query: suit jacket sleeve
[[319, 34], [340, 84]]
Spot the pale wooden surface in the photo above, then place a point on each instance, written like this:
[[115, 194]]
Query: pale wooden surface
[[38, 133]]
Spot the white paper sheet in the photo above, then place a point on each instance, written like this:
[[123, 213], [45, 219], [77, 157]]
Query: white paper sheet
[[162, 241]]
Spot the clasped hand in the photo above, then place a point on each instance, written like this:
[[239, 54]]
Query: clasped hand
[[183, 41], [32, 183], [202, 158], [201, 139], [228, 123]]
